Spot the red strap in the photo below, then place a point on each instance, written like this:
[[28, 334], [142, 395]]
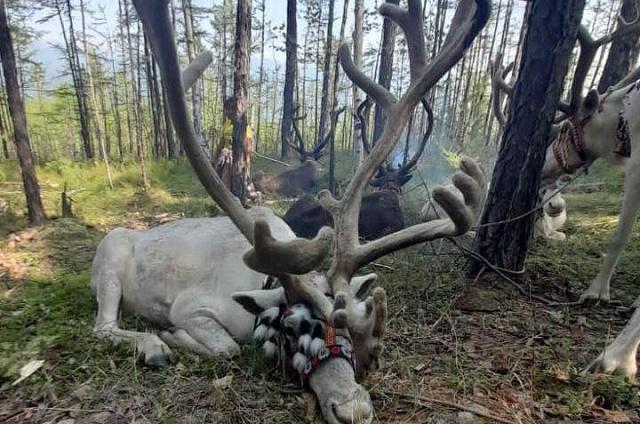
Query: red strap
[[329, 335]]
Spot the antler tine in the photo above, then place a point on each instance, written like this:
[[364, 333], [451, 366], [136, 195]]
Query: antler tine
[[381, 95], [471, 182], [470, 17], [498, 86], [360, 111], [414, 160], [157, 25], [301, 256], [334, 120], [588, 49], [410, 21], [300, 149], [195, 69], [632, 76]]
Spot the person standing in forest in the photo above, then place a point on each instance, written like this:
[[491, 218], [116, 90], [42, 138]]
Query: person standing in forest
[[223, 157]]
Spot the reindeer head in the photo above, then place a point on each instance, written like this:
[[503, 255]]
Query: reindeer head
[[315, 154], [335, 299], [575, 129], [387, 177]]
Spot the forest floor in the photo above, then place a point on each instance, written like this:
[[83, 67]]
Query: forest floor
[[481, 345]]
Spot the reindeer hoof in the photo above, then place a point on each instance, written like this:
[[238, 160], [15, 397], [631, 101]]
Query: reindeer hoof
[[596, 293]]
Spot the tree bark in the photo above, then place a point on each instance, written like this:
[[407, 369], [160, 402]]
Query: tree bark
[[291, 45], [19, 119], [240, 165], [548, 43], [261, 76], [622, 52], [196, 103], [334, 105], [326, 72], [92, 97], [358, 28], [385, 71]]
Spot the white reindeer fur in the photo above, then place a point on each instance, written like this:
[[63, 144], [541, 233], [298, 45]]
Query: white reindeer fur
[[600, 142]]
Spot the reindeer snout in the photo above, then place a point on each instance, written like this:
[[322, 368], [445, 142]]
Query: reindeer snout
[[355, 410]]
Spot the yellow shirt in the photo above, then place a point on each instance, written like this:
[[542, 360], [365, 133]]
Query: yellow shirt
[[227, 135]]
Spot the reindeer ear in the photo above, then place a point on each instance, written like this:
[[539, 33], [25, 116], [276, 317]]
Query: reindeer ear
[[403, 179], [590, 104], [360, 285], [256, 301]]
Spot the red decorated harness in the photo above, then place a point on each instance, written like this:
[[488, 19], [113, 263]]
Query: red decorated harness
[[332, 349], [571, 136]]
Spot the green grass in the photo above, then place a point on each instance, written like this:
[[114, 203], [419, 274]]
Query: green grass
[[519, 360]]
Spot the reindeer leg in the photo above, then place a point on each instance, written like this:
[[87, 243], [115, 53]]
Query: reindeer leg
[[108, 294], [199, 329], [179, 338], [620, 356], [599, 288]]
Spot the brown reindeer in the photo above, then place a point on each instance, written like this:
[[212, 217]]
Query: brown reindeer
[[598, 126], [381, 211], [190, 279], [303, 179]]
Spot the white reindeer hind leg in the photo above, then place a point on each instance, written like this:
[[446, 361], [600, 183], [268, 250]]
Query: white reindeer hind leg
[[599, 288], [620, 356]]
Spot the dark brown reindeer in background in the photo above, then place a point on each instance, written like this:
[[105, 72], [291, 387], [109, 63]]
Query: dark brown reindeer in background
[[589, 128], [381, 211], [303, 179]]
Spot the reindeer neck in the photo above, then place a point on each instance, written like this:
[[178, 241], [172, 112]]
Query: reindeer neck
[[601, 132]]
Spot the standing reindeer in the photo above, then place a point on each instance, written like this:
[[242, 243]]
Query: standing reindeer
[[381, 210], [591, 128], [303, 179], [182, 276]]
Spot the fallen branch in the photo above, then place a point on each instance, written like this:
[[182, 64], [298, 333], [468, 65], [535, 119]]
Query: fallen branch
[[419, 400], [500, 272], [270, 158]]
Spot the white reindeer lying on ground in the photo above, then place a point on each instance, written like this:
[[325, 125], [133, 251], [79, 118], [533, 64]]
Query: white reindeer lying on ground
[[183, 277], [552, 217], [591, 128]]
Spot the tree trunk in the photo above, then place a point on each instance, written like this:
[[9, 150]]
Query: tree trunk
[[76, 76], [242, 52], [334, 101], [358, 11], [621, 53], [552, 34], [326, 71], [291, 45], [19, 119], [196, 103], [92, 98], [385, 70], [137, 110], [260, 77]]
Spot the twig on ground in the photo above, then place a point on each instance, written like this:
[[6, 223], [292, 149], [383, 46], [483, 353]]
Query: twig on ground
[[271, 159], [390, 268], [420, 400], [500, 273]]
